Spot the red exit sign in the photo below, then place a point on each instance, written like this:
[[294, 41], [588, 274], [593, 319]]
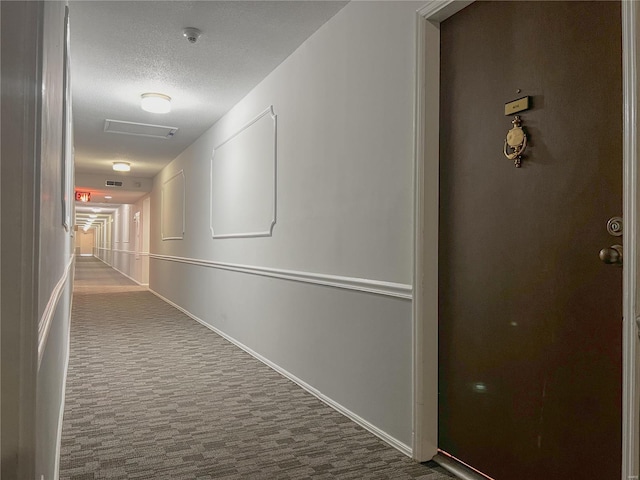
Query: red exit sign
[[83, 196]]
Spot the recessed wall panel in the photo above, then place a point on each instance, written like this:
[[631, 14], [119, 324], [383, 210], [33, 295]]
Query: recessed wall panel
[[173, 191], [243, 180]]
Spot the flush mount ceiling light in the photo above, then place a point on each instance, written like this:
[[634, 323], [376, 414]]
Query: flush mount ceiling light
[[155, 103], [108, 197], [121, 167]]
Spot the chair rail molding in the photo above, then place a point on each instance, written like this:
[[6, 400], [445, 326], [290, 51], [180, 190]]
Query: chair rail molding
[[377, 287], [44, 327], [268, 231], [128, 252]]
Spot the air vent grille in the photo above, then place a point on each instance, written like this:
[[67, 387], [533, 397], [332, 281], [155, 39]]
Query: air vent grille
[[139, 129], [113, 183]]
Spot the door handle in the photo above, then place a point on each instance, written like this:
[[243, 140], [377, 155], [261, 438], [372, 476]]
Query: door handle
[[612, 255]]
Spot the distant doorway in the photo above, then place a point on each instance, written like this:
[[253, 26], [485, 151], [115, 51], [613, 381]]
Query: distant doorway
[[85, 242]]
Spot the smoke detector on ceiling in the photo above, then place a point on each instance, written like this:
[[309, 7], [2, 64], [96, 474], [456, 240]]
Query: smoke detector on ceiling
[[191, 34]]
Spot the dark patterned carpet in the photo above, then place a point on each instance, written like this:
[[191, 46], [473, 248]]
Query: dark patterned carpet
[[151, 394]]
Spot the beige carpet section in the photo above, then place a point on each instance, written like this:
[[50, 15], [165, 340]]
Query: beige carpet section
[[94, 276], [151, 394]]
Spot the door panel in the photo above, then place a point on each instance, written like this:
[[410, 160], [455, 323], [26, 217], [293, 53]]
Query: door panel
[[530, 318], [87, 242]]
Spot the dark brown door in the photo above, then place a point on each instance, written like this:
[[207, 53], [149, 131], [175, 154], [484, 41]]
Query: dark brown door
[[530, 318]]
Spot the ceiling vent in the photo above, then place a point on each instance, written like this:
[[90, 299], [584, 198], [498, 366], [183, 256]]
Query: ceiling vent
[[113, 183], [139, 129]]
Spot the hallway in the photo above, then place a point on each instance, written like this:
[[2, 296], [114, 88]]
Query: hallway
[[151, 394]]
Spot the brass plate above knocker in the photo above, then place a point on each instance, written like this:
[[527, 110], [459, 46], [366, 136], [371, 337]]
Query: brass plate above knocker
[[516, 142]]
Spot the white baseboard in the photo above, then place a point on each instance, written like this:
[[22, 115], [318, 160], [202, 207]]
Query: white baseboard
[[122, 273], [130, 277], [394, 442], [103, 261]]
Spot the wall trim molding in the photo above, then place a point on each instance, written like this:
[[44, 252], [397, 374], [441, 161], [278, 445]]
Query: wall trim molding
[[266, 233], [395, 443], [184, 206], [44, 326], [436, 11], [129, 252], [376, 287]]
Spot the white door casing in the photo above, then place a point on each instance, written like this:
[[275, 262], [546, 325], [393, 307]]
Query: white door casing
[[426, 172]]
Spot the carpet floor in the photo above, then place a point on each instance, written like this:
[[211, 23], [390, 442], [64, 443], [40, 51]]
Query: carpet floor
[[151, 394]]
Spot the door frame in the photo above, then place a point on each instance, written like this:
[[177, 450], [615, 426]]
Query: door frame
[[426, 194]]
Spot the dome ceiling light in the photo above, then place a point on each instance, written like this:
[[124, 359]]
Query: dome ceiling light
[[121, 167], [155, 103]]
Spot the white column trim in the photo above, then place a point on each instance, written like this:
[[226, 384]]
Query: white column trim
[[426, 201], [630, 402]]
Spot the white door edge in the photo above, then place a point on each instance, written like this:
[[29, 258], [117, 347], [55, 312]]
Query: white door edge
[[630, 387], [426, 171]]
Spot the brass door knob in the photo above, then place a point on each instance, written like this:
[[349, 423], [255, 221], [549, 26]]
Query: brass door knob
[[612, 255]]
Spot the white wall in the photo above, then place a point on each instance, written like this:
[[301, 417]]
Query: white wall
[[56, 250], [344, 106], [36, 247], [118, 245]]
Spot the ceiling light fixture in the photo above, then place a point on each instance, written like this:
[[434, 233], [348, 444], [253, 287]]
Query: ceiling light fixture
[[121, 167], [155, 103], [108, 197]]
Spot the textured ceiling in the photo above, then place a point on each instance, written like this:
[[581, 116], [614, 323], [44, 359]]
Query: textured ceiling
[[120, 50]]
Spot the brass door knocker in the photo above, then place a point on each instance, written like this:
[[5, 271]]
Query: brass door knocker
[[516, 142]]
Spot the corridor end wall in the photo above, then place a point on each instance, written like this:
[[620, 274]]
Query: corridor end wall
[[122, 240], [325, 298]]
